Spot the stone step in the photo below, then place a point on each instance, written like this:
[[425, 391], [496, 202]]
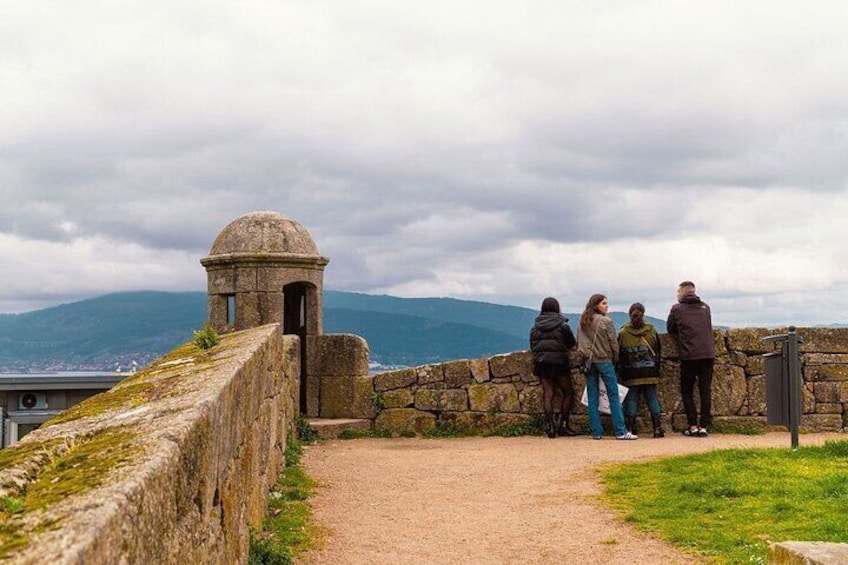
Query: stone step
[[330, 428]]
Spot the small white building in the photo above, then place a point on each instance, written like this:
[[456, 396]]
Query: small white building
[[27, 401]]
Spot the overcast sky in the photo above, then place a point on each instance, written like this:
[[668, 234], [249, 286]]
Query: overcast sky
[[498, 151]]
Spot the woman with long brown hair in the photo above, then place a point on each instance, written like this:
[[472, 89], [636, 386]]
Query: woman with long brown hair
[[551, 339], [596, 340]]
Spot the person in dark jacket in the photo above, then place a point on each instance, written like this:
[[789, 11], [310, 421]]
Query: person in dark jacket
[[690, 322], [551, 339], [639, 367]]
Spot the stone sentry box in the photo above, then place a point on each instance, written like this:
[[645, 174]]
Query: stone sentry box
[[265, 268]]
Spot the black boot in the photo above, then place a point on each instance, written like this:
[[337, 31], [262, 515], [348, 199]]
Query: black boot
[[630, 424], [550, 427], [563, 429], [656, 420]]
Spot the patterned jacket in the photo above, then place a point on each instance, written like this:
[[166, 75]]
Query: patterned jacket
[[640, 355]]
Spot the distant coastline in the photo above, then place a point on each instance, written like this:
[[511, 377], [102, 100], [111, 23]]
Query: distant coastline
[[19, 374]]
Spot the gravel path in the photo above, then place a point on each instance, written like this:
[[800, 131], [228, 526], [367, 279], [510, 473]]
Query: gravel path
[[487, 500]]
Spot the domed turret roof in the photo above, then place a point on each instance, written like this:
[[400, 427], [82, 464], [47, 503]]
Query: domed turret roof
[[264, 233]]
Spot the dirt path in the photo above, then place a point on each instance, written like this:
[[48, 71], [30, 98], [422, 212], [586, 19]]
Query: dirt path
[[487, 500]]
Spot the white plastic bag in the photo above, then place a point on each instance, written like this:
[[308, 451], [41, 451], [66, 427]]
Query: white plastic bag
[[603, 399]]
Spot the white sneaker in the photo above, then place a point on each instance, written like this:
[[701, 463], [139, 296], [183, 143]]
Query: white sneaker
[[627, 435]]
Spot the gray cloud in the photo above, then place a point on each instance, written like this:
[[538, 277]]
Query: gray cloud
[[427, 147]]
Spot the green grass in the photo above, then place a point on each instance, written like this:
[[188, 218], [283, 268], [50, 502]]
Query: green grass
[[748, 427], [285, 531], [359, 434], [729, 505], [447, 430]]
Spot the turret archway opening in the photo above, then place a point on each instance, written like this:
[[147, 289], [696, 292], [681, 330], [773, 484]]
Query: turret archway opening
[[296, 318]]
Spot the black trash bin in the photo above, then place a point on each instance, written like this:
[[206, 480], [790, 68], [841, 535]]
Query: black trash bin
[[777, 389], [784, 397]]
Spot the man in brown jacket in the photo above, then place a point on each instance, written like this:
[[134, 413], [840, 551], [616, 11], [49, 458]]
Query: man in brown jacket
[[690, 322]]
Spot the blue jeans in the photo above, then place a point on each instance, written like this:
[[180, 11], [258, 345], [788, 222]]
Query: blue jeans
[[605, 371], [631, 401]]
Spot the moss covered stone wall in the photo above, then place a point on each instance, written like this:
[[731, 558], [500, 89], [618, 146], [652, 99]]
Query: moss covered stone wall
[[483, 395], [173, 465]]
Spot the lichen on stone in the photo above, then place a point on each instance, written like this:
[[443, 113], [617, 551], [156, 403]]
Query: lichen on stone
[[162, 379], [84, 464]]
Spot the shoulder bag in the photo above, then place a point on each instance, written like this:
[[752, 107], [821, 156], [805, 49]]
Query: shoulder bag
[[586, 366]]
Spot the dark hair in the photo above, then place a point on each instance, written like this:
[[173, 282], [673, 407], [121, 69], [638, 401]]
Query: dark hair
[[687, 284], [550, 304], [589, 311], [636, 306]]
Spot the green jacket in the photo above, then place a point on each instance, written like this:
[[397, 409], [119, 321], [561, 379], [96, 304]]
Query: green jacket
[[639, 362]]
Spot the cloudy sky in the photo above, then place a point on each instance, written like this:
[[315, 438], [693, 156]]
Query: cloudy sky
[[497, 151]]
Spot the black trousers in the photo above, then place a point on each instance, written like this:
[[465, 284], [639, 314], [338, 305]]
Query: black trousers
[[700, 370]]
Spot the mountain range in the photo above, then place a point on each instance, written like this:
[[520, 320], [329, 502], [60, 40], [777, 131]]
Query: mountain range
[[105, 332]]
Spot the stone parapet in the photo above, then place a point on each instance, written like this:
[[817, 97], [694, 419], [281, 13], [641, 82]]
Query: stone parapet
[[505, 384], [173, 465], [337, 377]]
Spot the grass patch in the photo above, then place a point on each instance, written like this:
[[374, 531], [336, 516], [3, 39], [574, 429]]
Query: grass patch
[[535, 427], [448, 429], [745, 427], [359, 434], [286, 531], [730, 504]]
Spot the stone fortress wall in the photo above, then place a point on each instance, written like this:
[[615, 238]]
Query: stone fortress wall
[[484, 395], [174, 465]]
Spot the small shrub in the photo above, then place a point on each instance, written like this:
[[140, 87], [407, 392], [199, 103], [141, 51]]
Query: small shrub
[[305, 433], [206, 338], [378, 400]]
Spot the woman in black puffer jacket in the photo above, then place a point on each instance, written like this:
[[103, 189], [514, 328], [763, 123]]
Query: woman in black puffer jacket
[[551, 339]]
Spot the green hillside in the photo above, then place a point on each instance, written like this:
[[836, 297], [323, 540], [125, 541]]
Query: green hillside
[[511, 320], [141, 326], [123, 326], [399, 339]]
